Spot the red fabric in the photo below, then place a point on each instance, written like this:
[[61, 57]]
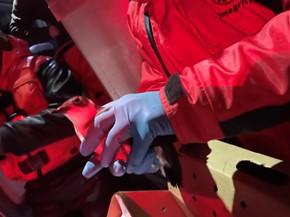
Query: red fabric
[[227, 63], [249, 75], [18, 76], [20, 49], [58, 152], [286, 4], [187, 32]]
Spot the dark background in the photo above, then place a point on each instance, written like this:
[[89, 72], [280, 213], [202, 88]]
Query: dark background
[[5, 12]]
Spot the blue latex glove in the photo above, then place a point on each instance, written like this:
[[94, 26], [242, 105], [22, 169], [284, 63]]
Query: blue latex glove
[[137, 116]]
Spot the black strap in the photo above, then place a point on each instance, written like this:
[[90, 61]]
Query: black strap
[[34, 163], [255, 120]]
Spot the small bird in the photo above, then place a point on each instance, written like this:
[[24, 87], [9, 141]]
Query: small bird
[[81, 112]]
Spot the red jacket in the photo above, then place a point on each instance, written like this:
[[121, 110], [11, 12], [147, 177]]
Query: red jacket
[[18, 76], [42, 131], [222, 68]]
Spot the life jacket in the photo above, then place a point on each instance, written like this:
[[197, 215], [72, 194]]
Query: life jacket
[[40, 161], [19, 77]]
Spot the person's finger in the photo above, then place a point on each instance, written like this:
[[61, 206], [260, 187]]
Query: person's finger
[[96, 132], [91, 168], [120, 130], [92, 140], [150, 164], [116, 135], [118, 168], [109, 153], [105, 119], [109, 104], [142, 139]]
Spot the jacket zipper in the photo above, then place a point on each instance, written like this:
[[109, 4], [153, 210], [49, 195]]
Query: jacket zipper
[[150, 35]]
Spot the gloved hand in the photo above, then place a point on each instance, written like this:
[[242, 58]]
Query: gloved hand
[[137, 116]]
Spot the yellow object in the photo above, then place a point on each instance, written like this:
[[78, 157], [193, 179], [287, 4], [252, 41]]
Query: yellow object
[[222, 180]]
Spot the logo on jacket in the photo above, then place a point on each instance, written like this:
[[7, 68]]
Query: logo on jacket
[[223, 2]]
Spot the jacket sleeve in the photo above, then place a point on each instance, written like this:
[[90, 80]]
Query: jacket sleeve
[[245, 88], [24, 136]]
